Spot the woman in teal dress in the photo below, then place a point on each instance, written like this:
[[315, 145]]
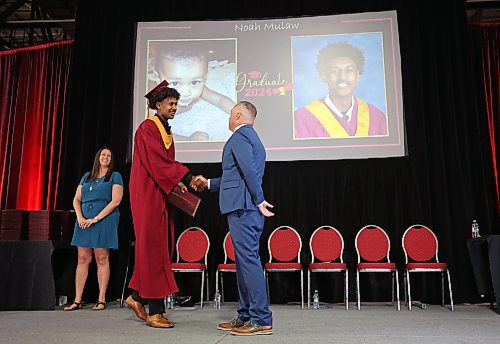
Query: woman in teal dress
[[96, 229]]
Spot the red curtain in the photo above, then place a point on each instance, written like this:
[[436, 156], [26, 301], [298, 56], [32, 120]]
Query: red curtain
[[487, 35], [33, 101]]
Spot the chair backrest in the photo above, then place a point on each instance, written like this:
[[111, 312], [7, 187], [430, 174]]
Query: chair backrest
[[326, 244], [192, 245], [228, 248], [372, 244], [420, 244], [284, 244]]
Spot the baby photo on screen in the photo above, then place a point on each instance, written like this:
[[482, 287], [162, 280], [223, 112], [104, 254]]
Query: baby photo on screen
[[204, 73]]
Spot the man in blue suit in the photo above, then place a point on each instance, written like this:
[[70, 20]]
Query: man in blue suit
[[241, 198]]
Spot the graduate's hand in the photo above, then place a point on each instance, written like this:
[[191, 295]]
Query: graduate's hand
[[183, 187]]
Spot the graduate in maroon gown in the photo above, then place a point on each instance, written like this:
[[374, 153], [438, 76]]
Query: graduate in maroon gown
[[154, 174]]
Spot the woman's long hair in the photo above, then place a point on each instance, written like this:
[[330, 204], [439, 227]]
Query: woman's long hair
[[97, 166]]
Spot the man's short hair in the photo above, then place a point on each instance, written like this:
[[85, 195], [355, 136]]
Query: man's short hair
[[252, 110], [341, 49]]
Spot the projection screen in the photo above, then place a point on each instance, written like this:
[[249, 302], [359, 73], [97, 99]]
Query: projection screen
[[324, 87]]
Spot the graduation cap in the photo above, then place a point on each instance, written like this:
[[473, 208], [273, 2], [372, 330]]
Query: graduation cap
[[161, 86]]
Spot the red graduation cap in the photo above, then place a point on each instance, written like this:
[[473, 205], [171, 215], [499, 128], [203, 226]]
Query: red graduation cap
[[162, 85]]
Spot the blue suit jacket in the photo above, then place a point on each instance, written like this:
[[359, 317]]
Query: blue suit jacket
[[243, 162]]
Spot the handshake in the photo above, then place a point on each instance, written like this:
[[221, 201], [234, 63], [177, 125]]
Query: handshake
[[199, 183]]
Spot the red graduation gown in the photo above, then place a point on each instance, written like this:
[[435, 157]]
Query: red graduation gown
[[153, 175]]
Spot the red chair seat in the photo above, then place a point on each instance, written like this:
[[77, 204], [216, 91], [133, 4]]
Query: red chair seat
[[377, 265], [324, 266], [228, 266], [279, 266], [417, 265], [188, 266]]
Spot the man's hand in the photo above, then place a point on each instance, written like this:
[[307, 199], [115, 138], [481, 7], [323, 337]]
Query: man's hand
[[263, 209], [199, 183]]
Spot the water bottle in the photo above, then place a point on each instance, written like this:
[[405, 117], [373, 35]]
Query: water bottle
[[63, 300], [475, 229], [316, 300], [217, 299], [170, 302]]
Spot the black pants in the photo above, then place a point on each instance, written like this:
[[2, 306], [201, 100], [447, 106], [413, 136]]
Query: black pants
[[156, 306]]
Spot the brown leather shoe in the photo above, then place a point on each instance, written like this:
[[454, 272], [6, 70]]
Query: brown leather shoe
[[159, 321], [251, 329], [137, 307], [228, 326]]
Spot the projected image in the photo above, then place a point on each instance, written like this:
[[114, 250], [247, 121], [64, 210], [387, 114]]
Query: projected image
[[339, 86], [204, 73], [325, 87]]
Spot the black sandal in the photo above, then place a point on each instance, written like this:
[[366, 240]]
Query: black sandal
[[96, 307], [71, 308]]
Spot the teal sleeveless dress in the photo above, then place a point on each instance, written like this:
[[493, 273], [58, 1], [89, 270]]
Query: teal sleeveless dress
[[96, 194]]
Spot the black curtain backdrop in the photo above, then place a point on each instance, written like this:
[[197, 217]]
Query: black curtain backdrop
[[445, 182]]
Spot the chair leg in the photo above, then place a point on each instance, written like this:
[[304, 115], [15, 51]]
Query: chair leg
[[302, 289], [308, 288], [404, 285], [442, 288], [217, 283], [202, 285], [392, 287], [449, 287], [222, 286], [207, 285], [346, 290], [124, 286], [131, 245], [397, 289], [409, 288], [358, 294], [267, 287]]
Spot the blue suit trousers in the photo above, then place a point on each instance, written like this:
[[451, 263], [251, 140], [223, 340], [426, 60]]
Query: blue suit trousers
[[246, 228]]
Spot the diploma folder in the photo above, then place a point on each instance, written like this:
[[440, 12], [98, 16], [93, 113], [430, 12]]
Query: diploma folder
[[187, 202]]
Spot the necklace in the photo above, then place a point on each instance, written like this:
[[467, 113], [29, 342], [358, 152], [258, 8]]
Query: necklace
[[94, 182]]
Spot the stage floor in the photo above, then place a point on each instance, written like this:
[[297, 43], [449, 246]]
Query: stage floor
[[375, 323]]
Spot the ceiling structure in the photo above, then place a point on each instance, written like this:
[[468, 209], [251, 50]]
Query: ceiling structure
[[28, 23], [483, 10]]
